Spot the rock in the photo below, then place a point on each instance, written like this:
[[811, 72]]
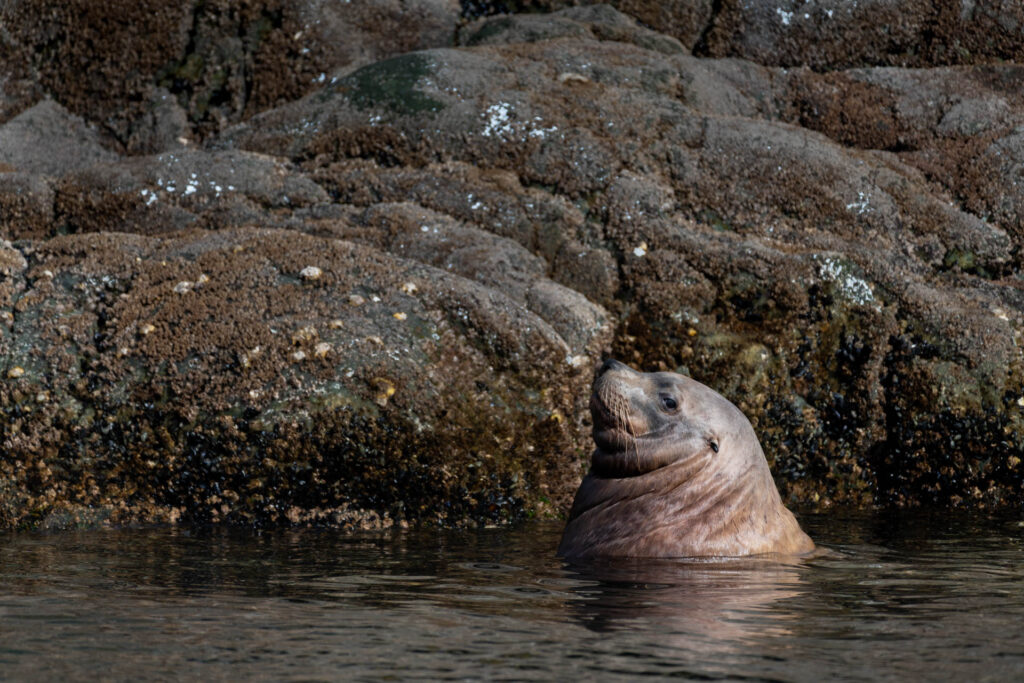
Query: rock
[[19, 86], [1002, 193], [955, 126], [837, 34], [195, 398], [162, 126], [592, 21], [188, 188], [686, 21], [496, 262], [26, 205], [97, 59], [220, 60], [47, 140], [12, 265], [732, 233], [377, 295]]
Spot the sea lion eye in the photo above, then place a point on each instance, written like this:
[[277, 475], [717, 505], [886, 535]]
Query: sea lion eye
[[669, 403], [713, 444]]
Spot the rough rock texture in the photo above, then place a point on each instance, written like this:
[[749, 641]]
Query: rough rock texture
[[823, 34], [47, 140], [268, 376], [835, 34], [377, 295], [115, 62]]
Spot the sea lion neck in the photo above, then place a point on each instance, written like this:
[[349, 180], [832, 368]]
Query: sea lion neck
[[637, 456]]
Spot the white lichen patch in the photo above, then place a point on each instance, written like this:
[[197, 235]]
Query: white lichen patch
[[786, 17], [852, 288], [147, 329], [501, 121], [640, 250], [322, 349], [16, 372], [409, 287], [862, 205], [299, 355], [183, 287], [537, 130], [399, 315], [175, 177], [498, 120]]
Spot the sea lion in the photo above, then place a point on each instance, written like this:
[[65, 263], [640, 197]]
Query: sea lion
[[677, 472]]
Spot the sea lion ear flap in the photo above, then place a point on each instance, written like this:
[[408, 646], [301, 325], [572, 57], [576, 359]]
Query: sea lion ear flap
[[713, 442]]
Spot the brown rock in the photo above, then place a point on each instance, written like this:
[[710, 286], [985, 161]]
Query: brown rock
[[26, 206], [201, 390], [188, 188], [221, 60], [771, 261], [838, 34], [459, 233]]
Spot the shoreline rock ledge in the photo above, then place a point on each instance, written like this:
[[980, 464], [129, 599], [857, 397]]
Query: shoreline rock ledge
[[352, 264]]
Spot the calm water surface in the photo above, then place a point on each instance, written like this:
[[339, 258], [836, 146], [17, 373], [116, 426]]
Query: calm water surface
[[900, 597]]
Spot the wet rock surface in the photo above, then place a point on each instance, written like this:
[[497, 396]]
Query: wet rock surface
[[273, 276]]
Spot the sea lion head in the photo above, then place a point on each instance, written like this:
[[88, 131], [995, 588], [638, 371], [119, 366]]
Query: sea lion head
[[644, 421]]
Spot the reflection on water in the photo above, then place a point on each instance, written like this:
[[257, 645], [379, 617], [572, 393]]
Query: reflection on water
[[899, 596], [689, 602]]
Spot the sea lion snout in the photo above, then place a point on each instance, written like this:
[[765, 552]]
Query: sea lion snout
[[616, 402]]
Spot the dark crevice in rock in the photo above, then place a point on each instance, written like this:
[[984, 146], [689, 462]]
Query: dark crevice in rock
[[700, 47]]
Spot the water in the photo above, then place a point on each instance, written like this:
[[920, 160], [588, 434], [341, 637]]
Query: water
[[900, 597]]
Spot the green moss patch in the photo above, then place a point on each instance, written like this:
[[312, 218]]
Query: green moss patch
[[391, 85]]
